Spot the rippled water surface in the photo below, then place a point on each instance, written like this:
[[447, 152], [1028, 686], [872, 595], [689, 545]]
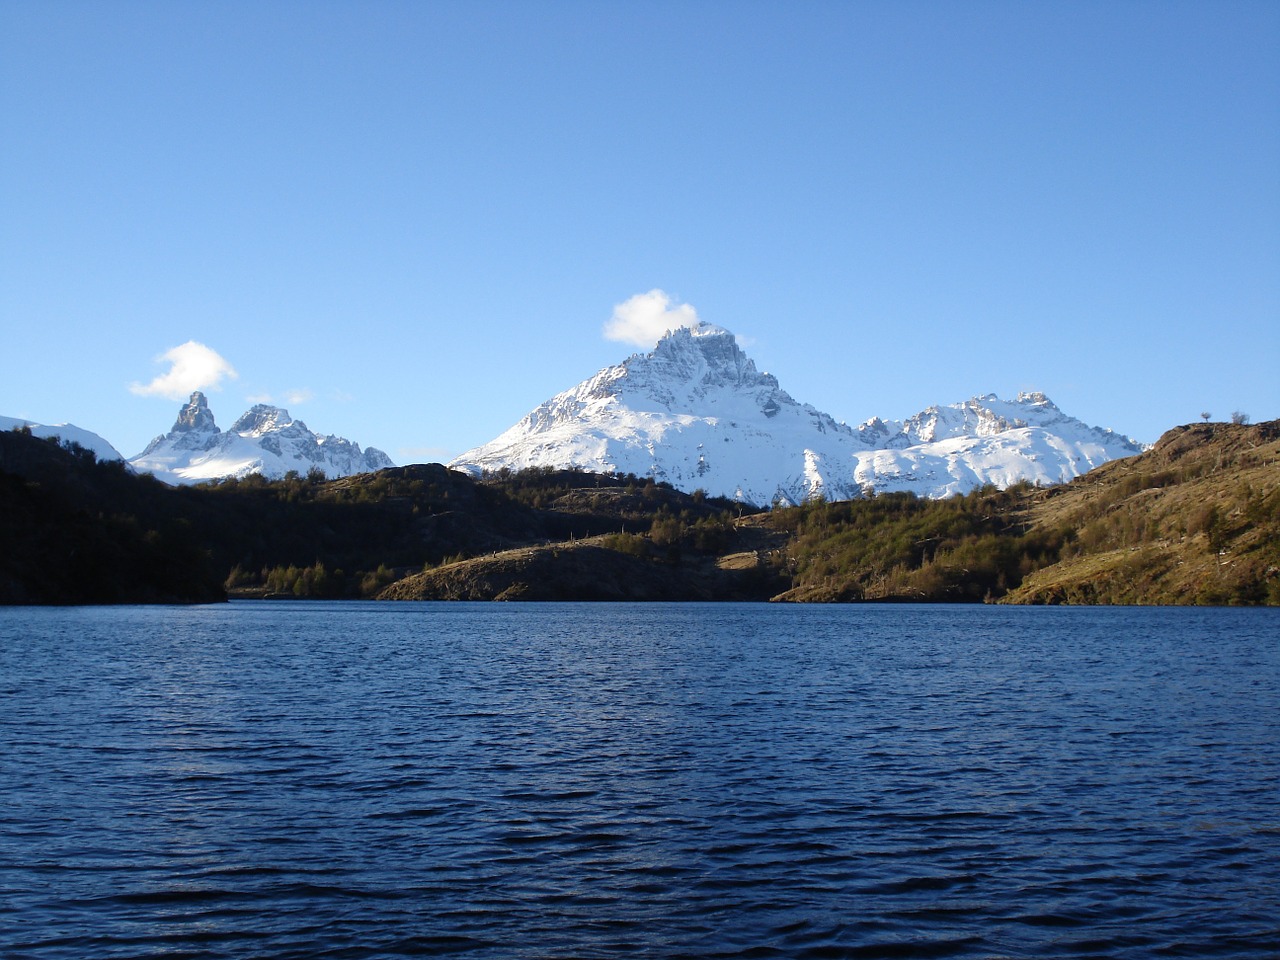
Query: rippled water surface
[[368, 780]]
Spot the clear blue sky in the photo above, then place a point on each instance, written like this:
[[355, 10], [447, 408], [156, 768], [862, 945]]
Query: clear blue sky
[[409, 222]]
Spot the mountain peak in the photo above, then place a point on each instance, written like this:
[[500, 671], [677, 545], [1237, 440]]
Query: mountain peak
[[195, 417], [262, 418], [1036, 398], [695, 360]]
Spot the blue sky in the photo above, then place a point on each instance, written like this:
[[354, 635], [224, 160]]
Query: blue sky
[[410, 222]]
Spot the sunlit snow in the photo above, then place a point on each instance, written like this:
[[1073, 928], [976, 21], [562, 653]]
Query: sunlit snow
[[67, 432], [696, 413], [264, 440]]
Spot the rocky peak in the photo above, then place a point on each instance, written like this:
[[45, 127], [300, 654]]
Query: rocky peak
[[261, 418], [706, 354], [1035, 397], [688, 366], [195, 417]]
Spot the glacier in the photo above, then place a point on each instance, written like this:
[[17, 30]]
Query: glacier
[[264, 440], [696, 412]]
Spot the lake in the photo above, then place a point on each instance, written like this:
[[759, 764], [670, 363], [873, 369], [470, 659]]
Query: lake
[[324, 780]]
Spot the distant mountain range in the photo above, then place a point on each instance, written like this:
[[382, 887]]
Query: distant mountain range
[[264, 440], [696, 412]]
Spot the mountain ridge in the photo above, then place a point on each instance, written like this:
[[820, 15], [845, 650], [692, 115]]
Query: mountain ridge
[[696, 412], [264, 440]]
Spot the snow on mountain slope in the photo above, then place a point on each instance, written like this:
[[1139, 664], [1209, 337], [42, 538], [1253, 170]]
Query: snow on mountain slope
[[68, 432], [264, 440], [695, 412]]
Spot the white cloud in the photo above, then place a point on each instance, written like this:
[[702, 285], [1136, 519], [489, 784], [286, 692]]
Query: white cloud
[[193, 367], [644, 318]]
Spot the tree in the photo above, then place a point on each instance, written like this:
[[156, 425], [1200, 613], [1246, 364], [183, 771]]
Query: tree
[[1205, 415], [1239, 418]]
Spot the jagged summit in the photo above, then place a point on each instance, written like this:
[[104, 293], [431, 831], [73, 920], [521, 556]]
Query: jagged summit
[[696, 412], [687, 367], [705, 356], [262, 418], [195, 416], [264, 440]]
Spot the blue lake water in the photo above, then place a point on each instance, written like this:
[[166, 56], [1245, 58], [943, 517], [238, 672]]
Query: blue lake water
[[354, 780]]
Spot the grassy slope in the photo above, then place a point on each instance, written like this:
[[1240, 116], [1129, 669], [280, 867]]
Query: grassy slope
[[1194, 520]]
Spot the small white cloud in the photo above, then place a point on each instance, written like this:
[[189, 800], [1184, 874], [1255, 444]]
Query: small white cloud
[[644, 318], [193, 367], [258, 398]]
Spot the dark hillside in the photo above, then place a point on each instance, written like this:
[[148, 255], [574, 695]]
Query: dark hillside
[[77, 531], [73, 530], [358, 534], [349, 529]]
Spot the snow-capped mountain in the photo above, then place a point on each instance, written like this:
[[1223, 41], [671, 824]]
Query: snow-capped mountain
[[697, 413], [265, 440], [68, 432]]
